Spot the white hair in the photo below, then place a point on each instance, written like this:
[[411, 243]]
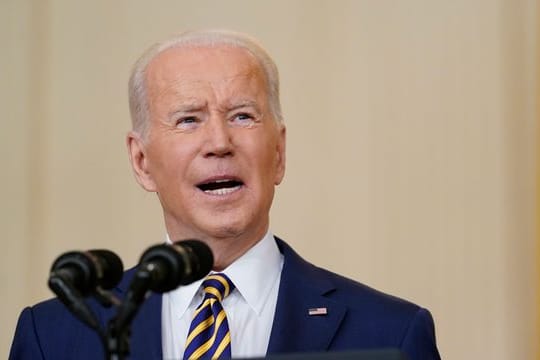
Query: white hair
[[138, 101]]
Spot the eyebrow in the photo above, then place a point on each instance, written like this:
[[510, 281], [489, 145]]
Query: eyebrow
[[191, 107], [242, 104], [188, 107]]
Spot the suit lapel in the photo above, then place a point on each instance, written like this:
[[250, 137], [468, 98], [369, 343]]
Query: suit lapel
[[301, 289]]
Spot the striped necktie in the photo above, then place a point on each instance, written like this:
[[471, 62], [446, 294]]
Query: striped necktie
[[209, 336]]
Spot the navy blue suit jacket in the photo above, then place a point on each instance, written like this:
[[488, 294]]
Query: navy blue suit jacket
[[358, 317]]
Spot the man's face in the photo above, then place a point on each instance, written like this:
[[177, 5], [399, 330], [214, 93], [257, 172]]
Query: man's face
[[213, 152]]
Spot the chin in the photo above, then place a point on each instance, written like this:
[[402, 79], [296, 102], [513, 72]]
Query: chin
[[225, 223], [225, 232], [232, 230]]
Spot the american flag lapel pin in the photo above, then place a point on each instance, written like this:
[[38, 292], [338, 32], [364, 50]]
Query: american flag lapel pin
[[321, 311]]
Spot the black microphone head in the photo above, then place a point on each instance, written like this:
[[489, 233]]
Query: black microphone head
[[77, 269], [178, 264], [85, 271], [203, 259], [110, 269]]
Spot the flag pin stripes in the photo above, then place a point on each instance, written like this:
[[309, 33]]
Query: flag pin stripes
[[317, 311]]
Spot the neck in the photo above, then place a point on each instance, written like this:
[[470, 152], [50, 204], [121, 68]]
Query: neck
[[226, 249], [225, 254]]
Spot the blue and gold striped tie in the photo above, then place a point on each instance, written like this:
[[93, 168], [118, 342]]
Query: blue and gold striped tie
[[209, 336]]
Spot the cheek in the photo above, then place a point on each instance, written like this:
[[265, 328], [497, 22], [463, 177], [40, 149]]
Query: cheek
[[266, 162], [168, 161]]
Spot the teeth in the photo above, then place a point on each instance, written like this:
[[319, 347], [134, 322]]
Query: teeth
[[223, 191]]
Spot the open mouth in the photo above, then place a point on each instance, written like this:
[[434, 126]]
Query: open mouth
[[220, 187]]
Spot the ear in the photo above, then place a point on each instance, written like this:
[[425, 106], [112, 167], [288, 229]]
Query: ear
[[280, 157], [139, 161]]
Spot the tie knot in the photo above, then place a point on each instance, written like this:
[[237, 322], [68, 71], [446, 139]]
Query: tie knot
[[217, 286]]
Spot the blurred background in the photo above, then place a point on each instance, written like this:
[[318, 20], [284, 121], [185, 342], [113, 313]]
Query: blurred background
[[412, 148]]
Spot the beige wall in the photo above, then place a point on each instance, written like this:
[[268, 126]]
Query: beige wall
[[412, 132]]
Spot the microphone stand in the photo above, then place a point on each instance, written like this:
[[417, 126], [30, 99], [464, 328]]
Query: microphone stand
[[116, 343], [116, 339]]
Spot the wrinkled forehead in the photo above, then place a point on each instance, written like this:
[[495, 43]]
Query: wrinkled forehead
[[202, 64]]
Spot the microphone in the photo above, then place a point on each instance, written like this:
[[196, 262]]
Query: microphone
[[181, 263], [163, 268], [77, 274], [88, 270]]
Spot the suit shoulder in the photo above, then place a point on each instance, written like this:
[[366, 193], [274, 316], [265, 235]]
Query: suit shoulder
[[50, 330], [340, 288], [361, 300], [369, 317], [357, 294], [383, 319]]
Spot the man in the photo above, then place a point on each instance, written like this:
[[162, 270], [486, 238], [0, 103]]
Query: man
[[209, 140]]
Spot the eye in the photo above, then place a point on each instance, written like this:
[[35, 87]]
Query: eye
[[243, 118], [187, 122]]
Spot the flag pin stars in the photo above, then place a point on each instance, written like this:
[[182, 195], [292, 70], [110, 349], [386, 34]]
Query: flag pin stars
[[317, 311]]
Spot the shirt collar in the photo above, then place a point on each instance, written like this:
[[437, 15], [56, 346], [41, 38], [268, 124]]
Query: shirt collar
[[253, 274]]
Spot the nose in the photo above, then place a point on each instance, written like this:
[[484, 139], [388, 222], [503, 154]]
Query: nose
[[218, 139]]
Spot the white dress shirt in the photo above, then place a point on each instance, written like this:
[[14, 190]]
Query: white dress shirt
[[250, 307]]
